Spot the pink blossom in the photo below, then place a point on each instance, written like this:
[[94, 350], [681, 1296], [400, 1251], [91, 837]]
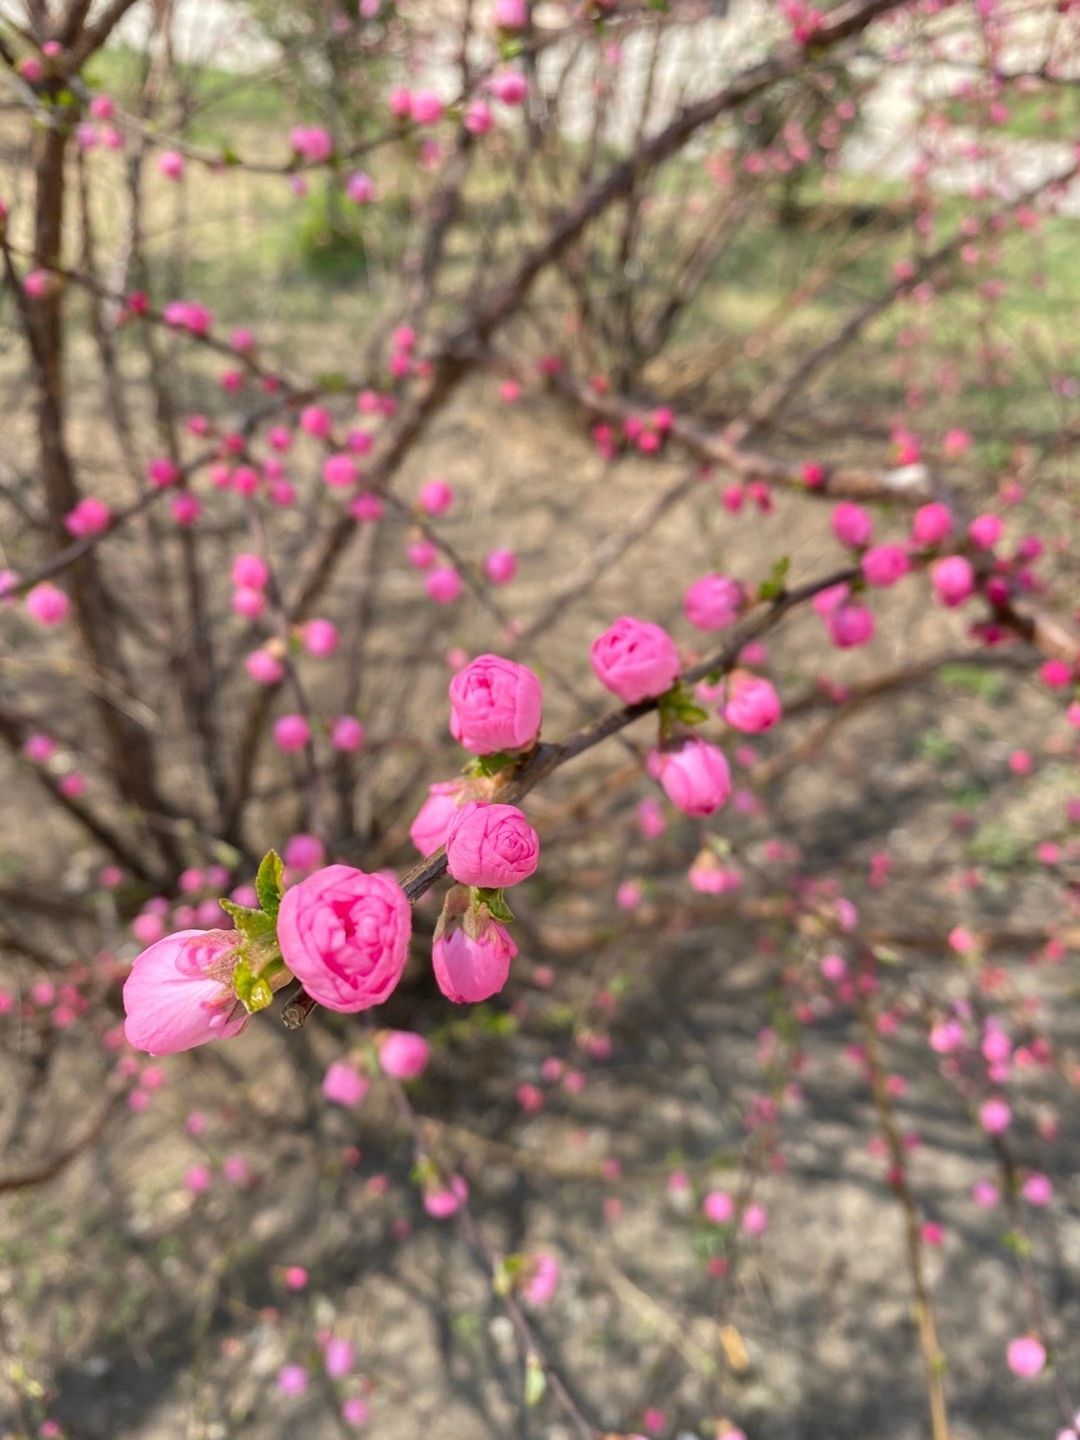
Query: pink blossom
[[339, 472], [198, 1179], [495, 704], [478, 119], [311, 142], [264, 668], [542, 1279], [931, 524], [755, 1220], [292, 1380], [39, 748], [366, 508], [852, 525], [471, 958], [250, 571], [1038, 1190], [346, 734], [304, 852], [509, 86], [953, 579], [320, 637], [444, 585], [179, 993], [339, 1357], [403, 1055], [47, 604], [426, 108], [985, 1194], [752, 704], [89, 517], [345, 936], [985, 531], [884, 565], [448, 1199], [248, 603], [695, 777], [995, 1116], [360, 188], [719, 1207], [291, 732], [500, 566], [344, 1085], [850, 626], [295, 1277], [436, 497], [355, 1411], [1026, 1356], [171, 164], [491, 846], [635, 660], [713, 602], [429, 830], [510, 14]]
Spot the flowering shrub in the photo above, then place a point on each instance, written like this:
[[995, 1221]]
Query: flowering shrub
[[612, 452]]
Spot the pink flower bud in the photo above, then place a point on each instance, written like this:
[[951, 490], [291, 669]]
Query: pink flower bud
[[471, 958], [47, 604], [422, 554], [752, 704], [1026, 1357], [339, 471], [89, 517], [179, 993], [429, 830], [713, 602], [985, 531], [444, 585], [436, 497], [953, 579], [635, 660], [264, 668], [171, 164], [345, 936], [320, 637], [304, 852], [495, 705], [403, 1055], [491, 846], [478, 119], [884, 565], [344, 1085], [542, 1279], [360, 188], [695, 777], [852, 525], [425, 108], [346, 734], [510, 14], [931, 524], [291, 732], [250, 572], [850, 626], [500, 566], [719, 1207]]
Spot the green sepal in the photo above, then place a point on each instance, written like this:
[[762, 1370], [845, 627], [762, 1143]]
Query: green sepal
[[506, 1273], [254, 991], [776, 583], [269, 883], [677, 706], [494, 901], [490, 764]]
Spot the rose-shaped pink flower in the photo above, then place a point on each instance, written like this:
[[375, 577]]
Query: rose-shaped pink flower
[[471, 959], [495, 705], [752, 703], [884, 565], [179, 993], [852, 525], [953, 579], [345, 935], [695, 778], [403, 1055], [712, 602], [432, 824], [491, 846], [635, 660]]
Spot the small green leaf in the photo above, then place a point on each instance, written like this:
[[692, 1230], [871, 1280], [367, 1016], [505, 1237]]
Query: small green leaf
[[535, 1380], [268, 883], [773, 587], [506, 1273], [253, 991], [252, 924]]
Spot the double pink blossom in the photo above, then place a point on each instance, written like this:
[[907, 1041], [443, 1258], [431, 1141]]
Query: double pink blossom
[[179, 993], [491, 846], [752, 703], [635, 660], [345, 935], [495, 705], [695, 777], [713, 602], [471, 955]]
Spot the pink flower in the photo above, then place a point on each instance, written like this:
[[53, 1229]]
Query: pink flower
[[695, 778], [851, 524], [510, 86], [444, 585], [884, 565], [360, 188], [543, 1279], [304, 852], [495, 705], [1038, 1190], [344, 1085], [471, 957], [355, 1411], [426, 108], [510, 14], [403, 1055], [953, 579], [931, 524], [478, 118], [346, 734], [292, 1380], [47, 604], [491, 846], [429, 830], [719, 1207], [635, 660], [850, 626], [250, 572], [995, 1117], [179, 993], [320, 637], [264, 668], [755, 1220], [89, 517], [436, 497], [500, 566], [752, 704], [171, 164], [345, 936], [985, 531], [338, 1357], [712, 602], [1026, 1356], [339, 472], [291, 732]]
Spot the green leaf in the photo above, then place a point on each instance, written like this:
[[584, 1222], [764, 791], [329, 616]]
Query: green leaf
[[253, 991], [490, 764], [535, 1380], [774, 586], [506, 1273], [252, 924], [269, 883]]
